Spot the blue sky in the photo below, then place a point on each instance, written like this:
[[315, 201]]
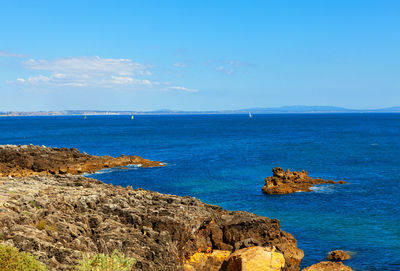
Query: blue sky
[[198, 55]]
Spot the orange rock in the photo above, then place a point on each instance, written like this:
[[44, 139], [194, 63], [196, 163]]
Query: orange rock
[[328, 266], [254, 259], [338, 255], [206, 261], [285, 182]]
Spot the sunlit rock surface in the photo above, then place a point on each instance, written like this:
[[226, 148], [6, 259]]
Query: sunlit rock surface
[[285, 182]]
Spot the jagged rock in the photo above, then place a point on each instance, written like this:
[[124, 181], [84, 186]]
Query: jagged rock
[[328, 266], [58, 217], [206, 261], [338, 255], [254, 259], [26, 160], [285, 182]]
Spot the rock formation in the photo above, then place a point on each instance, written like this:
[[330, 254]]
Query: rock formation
[[29, 160], [338, 255], [206, 261], [285, 182], [328, 266], [58, 217], [254, 259]]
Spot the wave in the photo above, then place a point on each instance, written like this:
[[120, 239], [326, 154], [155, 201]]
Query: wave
[[323, 189], [102, 171], [110, 170]]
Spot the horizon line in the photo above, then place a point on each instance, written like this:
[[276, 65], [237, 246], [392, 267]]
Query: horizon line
[[295, 109]]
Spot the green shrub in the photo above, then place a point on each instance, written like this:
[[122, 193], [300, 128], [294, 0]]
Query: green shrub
[[100, 262], [41, 225], [13, 260]]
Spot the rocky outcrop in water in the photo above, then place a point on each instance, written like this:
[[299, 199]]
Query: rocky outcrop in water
[[338, 255], [26, 160], [285, 182], [328, 266], [58, 217]]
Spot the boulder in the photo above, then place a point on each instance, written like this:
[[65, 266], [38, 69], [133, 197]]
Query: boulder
[[210, 261], [328, 266], [338, 255], [254, 259]]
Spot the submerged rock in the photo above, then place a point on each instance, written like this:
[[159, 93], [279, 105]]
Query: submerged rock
[[59, 217], [328, 266], [338, 255], [285, 182], [26, 160]]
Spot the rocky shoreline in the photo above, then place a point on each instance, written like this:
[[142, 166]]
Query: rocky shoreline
[[27, 160], [57, 216]]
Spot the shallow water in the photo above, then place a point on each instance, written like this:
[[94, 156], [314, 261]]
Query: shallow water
[[223, 160]]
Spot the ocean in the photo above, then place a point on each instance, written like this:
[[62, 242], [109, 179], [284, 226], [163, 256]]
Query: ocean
[[223, 160]]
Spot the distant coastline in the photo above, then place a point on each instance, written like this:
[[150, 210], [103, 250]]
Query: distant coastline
[[300, 109]]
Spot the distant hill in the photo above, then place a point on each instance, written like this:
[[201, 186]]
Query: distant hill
[[300, 109], [389, 109], [293, 109]]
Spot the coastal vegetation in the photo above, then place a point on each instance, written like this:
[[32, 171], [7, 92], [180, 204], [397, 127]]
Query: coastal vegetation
[[101, 262], [13, 260]]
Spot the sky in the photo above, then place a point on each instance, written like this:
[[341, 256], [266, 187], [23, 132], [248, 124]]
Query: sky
[[198, 55]]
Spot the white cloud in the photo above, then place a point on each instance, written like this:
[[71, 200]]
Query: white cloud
[[226, 66], [180, 65], [59, 75], [88, 71], [39, 79], [184, 89], [93, 72], [88, 64], [84, 80], [225, 70], [10, 54], [236, 63]]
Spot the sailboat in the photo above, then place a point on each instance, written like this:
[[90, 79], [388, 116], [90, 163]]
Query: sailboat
[[132, 117], [250, 115]]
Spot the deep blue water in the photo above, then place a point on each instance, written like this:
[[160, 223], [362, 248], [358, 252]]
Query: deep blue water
[[223, 160]]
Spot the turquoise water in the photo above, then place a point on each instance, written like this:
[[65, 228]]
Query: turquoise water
[[223, 160]]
